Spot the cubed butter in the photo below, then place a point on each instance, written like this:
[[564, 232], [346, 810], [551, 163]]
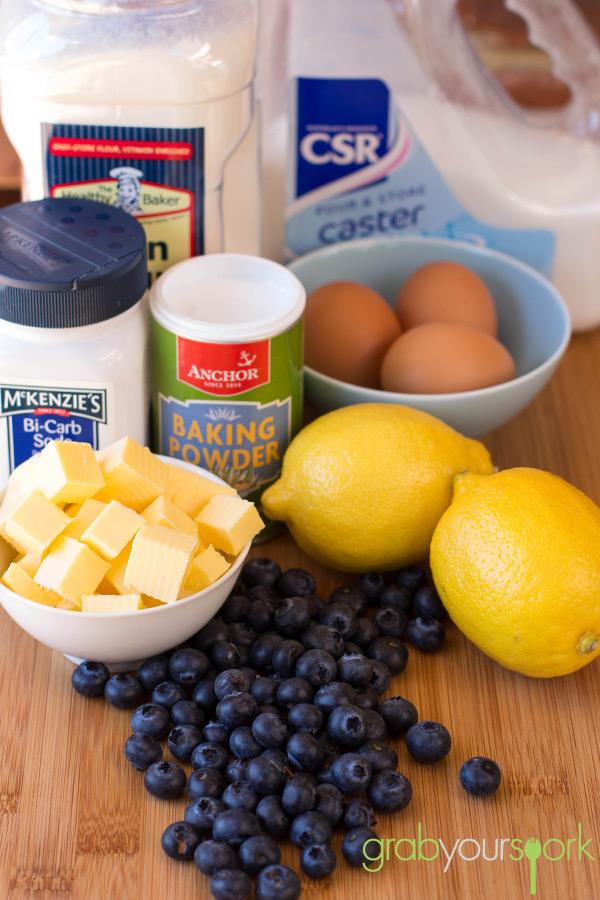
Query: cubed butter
[[228, 523], [68, 604], [206, 567], [17, 579], [71, 569], [68, 472], [190, 492], [114, 580], [89, 510], [7, 554], [35, 523], [159, 561], [132, 473], [30, 562], [163, 511], [111, 603], [25, 475], [112, 529]]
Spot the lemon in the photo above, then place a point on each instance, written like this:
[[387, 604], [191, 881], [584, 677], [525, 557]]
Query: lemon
[[363, 487], [516, 561]]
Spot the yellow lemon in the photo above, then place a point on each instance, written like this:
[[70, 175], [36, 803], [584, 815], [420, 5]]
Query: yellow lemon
[[362, 487], [516, 561]]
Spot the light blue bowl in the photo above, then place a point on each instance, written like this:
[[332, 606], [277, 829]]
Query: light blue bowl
[[533, 324]]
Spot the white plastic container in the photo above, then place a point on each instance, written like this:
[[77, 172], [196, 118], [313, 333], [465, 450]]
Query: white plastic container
[[395, 127], [73, 327], [142, 105]]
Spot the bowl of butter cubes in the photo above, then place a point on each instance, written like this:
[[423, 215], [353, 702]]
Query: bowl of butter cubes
[[118, 554]]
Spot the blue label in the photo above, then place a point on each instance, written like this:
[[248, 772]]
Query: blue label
[[356, 176]]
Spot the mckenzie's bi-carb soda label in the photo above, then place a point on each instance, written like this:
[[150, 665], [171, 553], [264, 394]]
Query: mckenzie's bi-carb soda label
[[155, 174], [229, 408], [33, 413]]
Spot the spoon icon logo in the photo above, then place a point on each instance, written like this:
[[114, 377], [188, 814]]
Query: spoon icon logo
[[532, 850]]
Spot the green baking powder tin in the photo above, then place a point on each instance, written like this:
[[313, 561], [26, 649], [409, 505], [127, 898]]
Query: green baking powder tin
[[227, 356]]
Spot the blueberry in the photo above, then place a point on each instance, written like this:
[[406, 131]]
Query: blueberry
[[236, 770], [231, 681], [257, 852], [293, 691], [272, 816], [397, 596], [389, 650], [236, 709], [381, 678], [323, 637], [480, 776], [411, 577], [372, 583], [305, 717], [270, 730], [355, 669], [182, 740], [204, 694], [151, 719], [265, 775], [310, 828], [347, 726], [242, 635], [277, 883], [186, 712], [188, 666], [359, 814], [234, 826], [225, 655], [389, 791], [336, 693], [141, 750], [260, 616], [425, 634], [376, 726], [235, 608], [381, 756], [206, 782], [366, 697], [353, 596], [318, 667], [213, 633], [164, 780], [427, 603], [324, 775], [210, 856], [208, 755], [351, 773], [260, 571], [366, 632], [291, 616], [89, 678], [398, 714], [123, 691], [202, 812], [330, 803], [153, 671], [286, 656], [179, 840], [240, 795], [299, 794], [318, 861], [264, 689], [353, 846], [261, 654], [390, 621], [243, 744], [295, 583], [305, 752], [428, 742], [264, 594], [230, 884], [168, 693], [341, 617]]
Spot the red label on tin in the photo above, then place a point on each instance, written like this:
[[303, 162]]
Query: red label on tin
[[223, 369]]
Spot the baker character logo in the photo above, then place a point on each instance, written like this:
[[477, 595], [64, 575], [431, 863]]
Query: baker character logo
[[128, 187]]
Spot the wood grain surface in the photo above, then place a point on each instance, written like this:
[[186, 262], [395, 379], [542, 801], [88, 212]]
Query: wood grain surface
[[76, 822]]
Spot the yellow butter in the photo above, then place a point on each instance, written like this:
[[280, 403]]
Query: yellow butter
[[68, 472], [163, 511], [190, 492], [68, 604], [71, 569], [228, 523], [25, 475], [30, 563], [206, 567], [151, 602], [159, 561], [35, 523], [17, 579], [7, 554], [114, 580], [132, 473], [112, 529], [111, 603], [89, 510]]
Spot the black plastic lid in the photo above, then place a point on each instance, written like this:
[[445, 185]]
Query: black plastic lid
[[66, 262]]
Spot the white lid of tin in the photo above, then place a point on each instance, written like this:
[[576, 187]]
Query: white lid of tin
[[227, 297]]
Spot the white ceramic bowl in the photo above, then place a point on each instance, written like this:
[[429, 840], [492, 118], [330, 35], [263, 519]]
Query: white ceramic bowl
[[122, 640], [533, 323]]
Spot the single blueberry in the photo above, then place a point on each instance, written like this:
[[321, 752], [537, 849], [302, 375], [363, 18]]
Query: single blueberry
[[397, 596], [341, 617], [330, 803], [367, 697], [141, 751], [323, 637], [390, 651], [182, 740], [260, 571], [236, 770], [480, 776], [291, 616], [208, 755], [89, 678], [376, 726], [261, 653], [272, 816], [237, 709], [299, 794], [188, 666], [355, 669], [225, 655], [153, 671], [151, 719], [366, 632], [411, 577], [306, 717], [355, 846], [240, 795], [334, 694], [359, 814], [215, 732], [168, 693], [389, 791], [305, 752], [205, 783], [257, 852], [202, 812], [235, 608], [277, 883], [318, 861], [398, 714], [353, 596], [213, 633], [234, 826], [293, 691], [270, 730], [427, 603], [243, 744], [266, 775], [347, 726], [351, 773], [264, 689], [426, 634], [164, 780], [296, 583], [123, 690], [186, 712], [204, 694], [390, 621], [381, 756], [179, 840], [428, 742], [310, 828], [211, 856], [372, 583]]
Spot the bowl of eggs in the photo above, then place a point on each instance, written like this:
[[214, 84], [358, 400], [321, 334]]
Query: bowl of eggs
[[465, 333]]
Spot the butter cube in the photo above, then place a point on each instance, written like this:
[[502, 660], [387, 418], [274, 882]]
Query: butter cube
[[151, 602], [88, 512], [159, 561], [114, 580], [190, 492], [206, 567], [71, 569], [17, 579], [25, 475], [68, 472], [112, 529], [7, 554], [110, 603], [30, 563], [163, 511], [35, 523], [228, 523], [132, 473]]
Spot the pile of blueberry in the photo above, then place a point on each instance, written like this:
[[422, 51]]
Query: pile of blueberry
[[275, 704]]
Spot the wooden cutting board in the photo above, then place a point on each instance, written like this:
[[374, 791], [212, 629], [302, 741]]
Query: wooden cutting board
[[76, 822]]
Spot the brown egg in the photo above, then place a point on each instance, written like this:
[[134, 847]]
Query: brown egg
[[442, 358], [347, 329], [446, 292]]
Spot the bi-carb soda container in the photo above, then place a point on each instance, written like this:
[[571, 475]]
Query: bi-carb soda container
[[392, 126]]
